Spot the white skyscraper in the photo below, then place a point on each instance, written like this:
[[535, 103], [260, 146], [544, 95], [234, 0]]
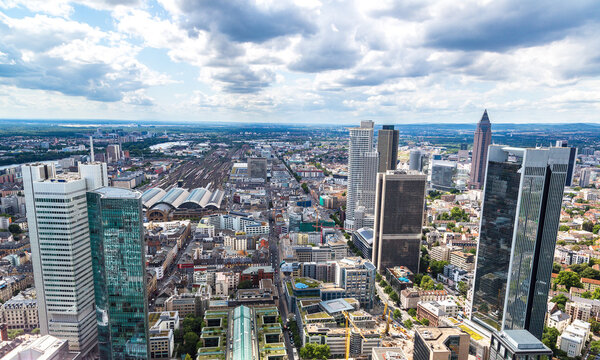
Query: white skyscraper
[[60, 250], [361, 143]]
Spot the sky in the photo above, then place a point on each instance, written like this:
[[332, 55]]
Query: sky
[[302, 61]]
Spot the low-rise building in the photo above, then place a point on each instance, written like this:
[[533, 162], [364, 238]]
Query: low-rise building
[[21, 311], [432, 343], [440, 253], [572, 340], [462, 260], [46, 347], [161, 328], [409, 298], [517, 344]]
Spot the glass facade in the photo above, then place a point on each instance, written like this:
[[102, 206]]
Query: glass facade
[[495, 242], [519, 225], [116, 232]]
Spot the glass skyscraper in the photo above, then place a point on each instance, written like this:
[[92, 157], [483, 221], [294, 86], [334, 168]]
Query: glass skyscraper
[[519, 223], [117, 240]]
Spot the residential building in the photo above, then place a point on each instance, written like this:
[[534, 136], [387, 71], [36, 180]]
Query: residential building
[[432, 343], [60, 250], [517, 344], [113, 153], [462, 260], [481, 141], [256, 273], [387, 146], [117, 239], [440, 253], [360, 143], [162, 341], [20, 312], [579, 310], [398, 219], [409, 298], [514, 264], [357, 277]]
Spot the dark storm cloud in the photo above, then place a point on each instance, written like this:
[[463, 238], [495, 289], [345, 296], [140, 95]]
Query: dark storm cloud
[[243, 21], [504, 25]]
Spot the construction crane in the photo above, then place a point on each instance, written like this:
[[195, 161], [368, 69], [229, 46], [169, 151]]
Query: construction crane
[[349, 321], [386, 317]]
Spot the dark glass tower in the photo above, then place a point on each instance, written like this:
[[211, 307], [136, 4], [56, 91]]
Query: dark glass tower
[[399, 206], [519, 222], [117, 235], [481, 141], [387, 146]]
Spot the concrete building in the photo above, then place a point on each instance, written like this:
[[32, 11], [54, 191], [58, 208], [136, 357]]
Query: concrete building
[[462, 260], [20, 313], [442, 174], [60, 250], [363, 240], [481, 142], [398, 220], [357, 277], [415, 160], [433, 343], [517, 344], [387, 147], [360, 143], [514, 265], [162, 341], [46, 347], [572, 340], [113, 153]]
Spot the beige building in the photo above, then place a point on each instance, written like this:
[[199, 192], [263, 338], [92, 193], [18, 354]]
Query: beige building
[[444, 343], [20, 313], [464, 261], [440, 253]]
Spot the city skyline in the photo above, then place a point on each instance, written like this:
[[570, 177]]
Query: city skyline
[[300, 63]]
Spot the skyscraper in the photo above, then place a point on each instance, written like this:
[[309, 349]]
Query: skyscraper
[[113, 153], [483, 139], [572, 160], [415, 160], [257, 168], [387, 146], [400, 202], [519, 223], [60, 250], [361, 142], [117, 238]]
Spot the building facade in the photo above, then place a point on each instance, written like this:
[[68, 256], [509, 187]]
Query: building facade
[[481, 142], [60, 250], [361, 142], [117, 239], [387, 147], [519, 223], [400, 203]]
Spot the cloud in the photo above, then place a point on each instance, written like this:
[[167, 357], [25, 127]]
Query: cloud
[[507, 24], [73, 59], [244, 21]]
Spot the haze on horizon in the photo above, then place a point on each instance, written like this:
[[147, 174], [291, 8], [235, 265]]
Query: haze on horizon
[[300, 61]]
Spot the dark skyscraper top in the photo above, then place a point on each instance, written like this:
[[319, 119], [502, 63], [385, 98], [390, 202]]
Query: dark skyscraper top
[[387, 146], [483, 139]]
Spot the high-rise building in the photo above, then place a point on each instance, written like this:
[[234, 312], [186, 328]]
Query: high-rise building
[[415, 160], [357, 277], [367, 192], [60, 249], [113, 153], [257, 168], [522, 201], [387, 146], [117, 239], [481, 142], [585, 177], [361, 142], [400, 203], [442, 174], [572, 160]]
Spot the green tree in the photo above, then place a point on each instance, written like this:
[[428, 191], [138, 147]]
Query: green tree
[[412, 312], [590, 273], [14, 228], [190, 340], [245, 284], [556, 268], [595, 347], [588, 226], [437, 267], [549, 337], [569, 279], [596, 228], [394, 297], [35, 331], [378, 277], [398, 314], [315, 351], [564, 228], [188, 357], [427, 283], [425, 321], [463, 288], [388, 289], [560, 300], [408, 324], [594, 326]]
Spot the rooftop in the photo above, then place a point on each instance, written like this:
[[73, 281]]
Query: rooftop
[[118, 193]]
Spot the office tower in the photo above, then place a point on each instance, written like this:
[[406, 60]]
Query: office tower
[[519, 223], [517, 344], [585, 177], [60, 250], [360, 143], [117, 242], [367, 192], [481, 142], [113, 153], [572, 160], [257, 168], [387, 146], [357, 277], [400, 202], [442, 173], [415, 160]]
